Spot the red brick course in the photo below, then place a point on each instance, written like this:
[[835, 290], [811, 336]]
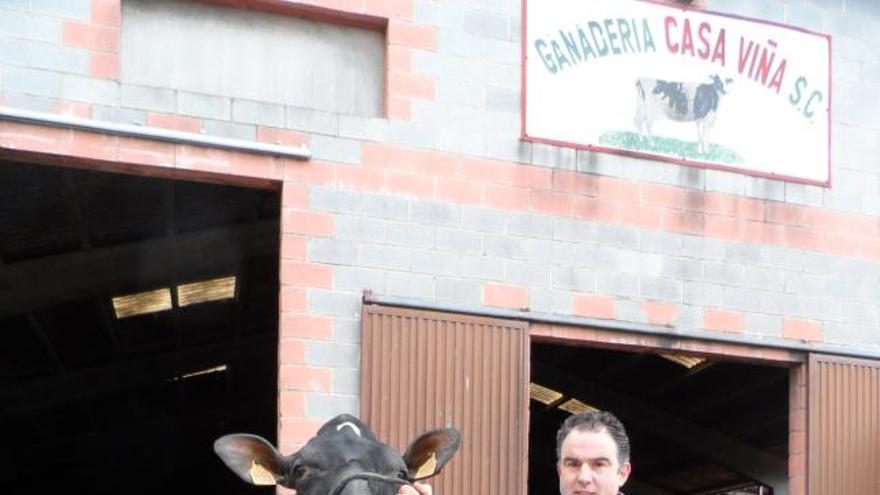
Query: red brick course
[[306, 274], [594, 305], [305, 378], [723, 321], [105, 65], [800, 329], [412, 35], [107, 13], [659, 313], [303, 326], [306, 223], [505, 296], [91, 36], [292, 351]]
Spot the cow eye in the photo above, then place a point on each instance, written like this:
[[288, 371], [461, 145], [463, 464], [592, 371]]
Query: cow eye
[[299, 472]]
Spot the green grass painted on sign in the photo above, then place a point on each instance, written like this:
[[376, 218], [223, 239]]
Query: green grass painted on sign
[[669, 146]]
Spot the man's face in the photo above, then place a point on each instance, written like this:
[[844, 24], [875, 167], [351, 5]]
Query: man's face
[[588, 464]]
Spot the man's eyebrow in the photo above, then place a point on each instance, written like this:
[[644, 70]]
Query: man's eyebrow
[[591, 459]]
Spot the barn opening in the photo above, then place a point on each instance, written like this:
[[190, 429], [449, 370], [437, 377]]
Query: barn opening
[[698, 425], [139, 323]]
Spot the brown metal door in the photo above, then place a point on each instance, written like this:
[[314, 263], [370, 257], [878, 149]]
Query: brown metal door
[[844, 426], [422, 370]]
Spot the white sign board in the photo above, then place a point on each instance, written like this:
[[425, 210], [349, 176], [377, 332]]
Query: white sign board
[[679, 85]]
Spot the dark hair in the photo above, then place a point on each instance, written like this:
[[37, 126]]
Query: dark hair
[[596, 421]]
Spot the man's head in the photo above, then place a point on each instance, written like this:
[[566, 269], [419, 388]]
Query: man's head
[[592, 451]]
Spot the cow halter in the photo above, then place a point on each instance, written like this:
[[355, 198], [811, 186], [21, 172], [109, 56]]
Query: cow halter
[[367, 476]]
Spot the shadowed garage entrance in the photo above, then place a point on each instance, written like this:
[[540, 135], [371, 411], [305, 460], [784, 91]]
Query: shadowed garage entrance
[[139, 322], [697, 425]]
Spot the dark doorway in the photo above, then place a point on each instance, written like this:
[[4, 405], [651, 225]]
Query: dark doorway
[[697, 425], [139, 319]]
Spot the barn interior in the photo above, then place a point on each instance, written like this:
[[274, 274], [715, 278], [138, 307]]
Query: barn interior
[[139, 323], [697, 425]]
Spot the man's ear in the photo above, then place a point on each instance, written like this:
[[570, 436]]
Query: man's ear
[[625, 469], [428, 453], [252, 458]]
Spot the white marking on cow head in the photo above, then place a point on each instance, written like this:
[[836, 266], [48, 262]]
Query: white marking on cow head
[[349, 424]]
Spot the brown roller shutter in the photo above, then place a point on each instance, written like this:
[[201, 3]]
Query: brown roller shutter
[[422, 370], [844, 426]]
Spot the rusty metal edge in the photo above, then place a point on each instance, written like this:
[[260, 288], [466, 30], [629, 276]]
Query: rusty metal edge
[[621, 326]]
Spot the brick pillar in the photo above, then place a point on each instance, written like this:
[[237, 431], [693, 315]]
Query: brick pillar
[[297, 326]]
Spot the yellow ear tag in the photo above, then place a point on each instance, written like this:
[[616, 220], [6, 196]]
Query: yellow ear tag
[[428, 467], [261, 475]]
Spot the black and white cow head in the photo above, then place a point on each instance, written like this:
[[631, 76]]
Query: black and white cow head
[[343, 458], [720, 84]]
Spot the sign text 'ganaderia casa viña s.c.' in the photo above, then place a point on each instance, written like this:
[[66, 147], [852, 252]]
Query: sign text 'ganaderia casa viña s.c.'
[[680, 85]]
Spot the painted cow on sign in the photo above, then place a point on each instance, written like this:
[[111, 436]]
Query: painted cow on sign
[[680, 102], [343, 458]]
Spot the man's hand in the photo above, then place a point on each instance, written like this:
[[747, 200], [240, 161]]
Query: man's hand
[[416, 489]]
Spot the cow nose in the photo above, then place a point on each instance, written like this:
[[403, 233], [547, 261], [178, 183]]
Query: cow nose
[[357, 487], [358, 479], [367, 483]]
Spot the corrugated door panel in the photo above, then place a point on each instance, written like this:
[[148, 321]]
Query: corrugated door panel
[[422, 370], [844, 426]]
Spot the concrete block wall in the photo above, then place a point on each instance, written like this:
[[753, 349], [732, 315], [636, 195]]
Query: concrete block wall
[[439, 200]]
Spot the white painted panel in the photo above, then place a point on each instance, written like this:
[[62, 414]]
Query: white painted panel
[[239, 53]]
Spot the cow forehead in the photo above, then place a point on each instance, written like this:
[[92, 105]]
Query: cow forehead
[[344, 446]]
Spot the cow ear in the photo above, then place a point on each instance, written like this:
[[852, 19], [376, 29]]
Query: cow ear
[[428, 453], [252, 458]]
